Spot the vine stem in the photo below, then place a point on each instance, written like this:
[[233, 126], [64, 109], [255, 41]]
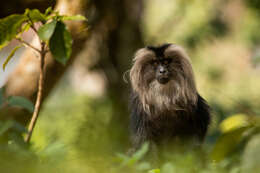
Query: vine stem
[[37, 105]]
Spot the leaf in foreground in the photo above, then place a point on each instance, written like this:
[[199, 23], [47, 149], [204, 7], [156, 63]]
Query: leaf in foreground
[[138, 155], [45, 31], [20, 101], [76, 17], [234, 122], [10, 56], [35, 15], [227, 143], [154, 171], [48, 11], [6, 125], [61, 43], [2, 99], [9, 27]]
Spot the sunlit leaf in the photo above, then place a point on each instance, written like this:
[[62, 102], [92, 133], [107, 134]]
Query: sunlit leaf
[[234, 122], [45, 31], [61, 43], [21, 102], [26, 11], [227, 143], [48, 11], [54, 15], [139, 154], [76, 17], [10, 56], [9, 27], [35, 15], [143, 166], [154, 171], [122, 157], [25, 27], [168, 168]]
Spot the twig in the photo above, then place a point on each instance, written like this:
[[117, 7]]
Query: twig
[[39, 94], [28, 45], [33, 27], [32, 24]]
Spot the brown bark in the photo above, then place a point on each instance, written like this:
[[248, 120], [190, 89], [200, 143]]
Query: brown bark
[[116, 27]]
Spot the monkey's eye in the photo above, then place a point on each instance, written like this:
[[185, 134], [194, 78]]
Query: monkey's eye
[[167, 61], [154, 62]]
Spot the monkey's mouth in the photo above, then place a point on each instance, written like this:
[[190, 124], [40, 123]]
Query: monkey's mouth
[[163, 80]]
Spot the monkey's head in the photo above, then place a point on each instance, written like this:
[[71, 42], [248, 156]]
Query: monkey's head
[[162, 77]]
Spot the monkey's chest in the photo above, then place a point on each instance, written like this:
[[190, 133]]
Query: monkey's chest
[[167, 126]]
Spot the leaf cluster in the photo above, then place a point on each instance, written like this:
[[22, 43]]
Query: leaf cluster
[[52, 31], [15, 101]]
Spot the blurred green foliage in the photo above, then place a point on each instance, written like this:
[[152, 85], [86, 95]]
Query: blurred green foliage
[[73, 133]]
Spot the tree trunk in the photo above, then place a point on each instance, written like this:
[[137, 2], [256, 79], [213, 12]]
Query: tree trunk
[[116, 27]]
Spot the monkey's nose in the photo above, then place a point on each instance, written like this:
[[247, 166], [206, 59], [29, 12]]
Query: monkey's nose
[[162, 70]]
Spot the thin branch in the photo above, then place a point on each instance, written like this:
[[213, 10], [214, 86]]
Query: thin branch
[[32, 24], [38, 102], [33, 27], [39, 94], [28, 45]]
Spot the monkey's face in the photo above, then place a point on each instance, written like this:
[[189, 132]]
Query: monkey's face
[[159, 65], [163, 76], [163, 69]]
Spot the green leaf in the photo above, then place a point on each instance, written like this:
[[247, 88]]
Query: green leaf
[[234, 122], [48, 11], [11, 124], [45, 31], [20, 101], [54, 16], [10, 56], [35, 15], [9, 27], [6, 126], [53, 151], [76, 17], [61, 43], [2, 99], [122, 157], [19, 127], [154, 171], [251, 155], [138, 154], [227, 143], [168, 168], [143, 166], [25, 27]]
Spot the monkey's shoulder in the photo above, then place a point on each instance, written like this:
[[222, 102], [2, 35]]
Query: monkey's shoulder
[[191, 120], [203, 109], [202, 117]]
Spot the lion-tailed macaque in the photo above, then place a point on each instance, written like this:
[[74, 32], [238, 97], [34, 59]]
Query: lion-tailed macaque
[[165, 103]]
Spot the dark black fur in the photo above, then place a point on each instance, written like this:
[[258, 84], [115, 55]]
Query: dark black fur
[[159, 51], [183, 124]]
